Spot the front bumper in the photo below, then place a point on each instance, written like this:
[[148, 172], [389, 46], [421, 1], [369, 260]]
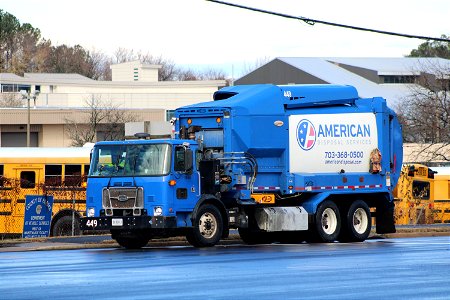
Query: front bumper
[[124, 223]]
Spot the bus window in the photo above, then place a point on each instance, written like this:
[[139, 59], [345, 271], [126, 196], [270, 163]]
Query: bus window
[[53, 175], [421, 190], [28, 179], [1, 175], [73, 175]]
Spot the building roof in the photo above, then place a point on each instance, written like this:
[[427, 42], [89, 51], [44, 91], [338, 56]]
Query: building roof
[[362, 73], [9, 76], [327, 70], [394, 65], [55, 77]]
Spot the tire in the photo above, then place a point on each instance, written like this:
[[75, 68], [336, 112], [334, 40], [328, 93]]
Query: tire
[[63, 226], [252, 237], [207, 227], [132, 242], [327, 222], [357, 223]]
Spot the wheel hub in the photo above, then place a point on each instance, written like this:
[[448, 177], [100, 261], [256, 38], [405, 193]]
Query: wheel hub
[[207, 225]]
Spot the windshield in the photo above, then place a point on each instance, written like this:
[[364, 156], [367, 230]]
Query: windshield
[[130, 160]]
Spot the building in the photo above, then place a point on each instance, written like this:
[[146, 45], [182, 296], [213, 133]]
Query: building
[[390, 78], [135, 88]]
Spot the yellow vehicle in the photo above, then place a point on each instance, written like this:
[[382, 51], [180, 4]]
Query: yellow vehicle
[[414, 195], [59, 172], [441, 198]]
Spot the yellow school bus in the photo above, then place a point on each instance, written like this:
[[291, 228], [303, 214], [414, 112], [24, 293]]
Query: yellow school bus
[[414, 196], [57, 172], [441, 198]]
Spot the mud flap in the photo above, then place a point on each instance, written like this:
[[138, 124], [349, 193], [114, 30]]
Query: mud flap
[[385, 217]]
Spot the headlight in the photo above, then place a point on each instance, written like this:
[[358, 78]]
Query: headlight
[[157, 211], [91, 212]]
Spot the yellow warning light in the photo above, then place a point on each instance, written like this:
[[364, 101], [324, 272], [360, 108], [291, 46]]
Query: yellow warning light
[[189, 121], [172, 182], [218, 120]]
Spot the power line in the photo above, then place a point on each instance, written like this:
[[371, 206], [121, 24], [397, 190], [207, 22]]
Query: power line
[[313, 21]]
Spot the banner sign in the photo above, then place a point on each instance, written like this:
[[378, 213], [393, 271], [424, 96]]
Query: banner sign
[[329, 143], [38, 216]]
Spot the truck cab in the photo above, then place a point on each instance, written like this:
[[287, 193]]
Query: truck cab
[[147, 184]]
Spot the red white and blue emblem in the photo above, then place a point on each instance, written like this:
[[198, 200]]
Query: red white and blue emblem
[[306, 134]]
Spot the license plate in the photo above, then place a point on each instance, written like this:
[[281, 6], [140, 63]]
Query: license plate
[[117, 222]]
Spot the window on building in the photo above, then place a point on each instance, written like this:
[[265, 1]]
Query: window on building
[[53, 175], [7, 88], [169, 114], [398, 79], [27, 179], [72, 175], [21, 87]]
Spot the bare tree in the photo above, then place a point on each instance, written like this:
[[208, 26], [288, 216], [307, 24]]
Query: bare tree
[[425, 112], [122, 55], [11, 100], [101, 65], [259, 62], [102, 118]]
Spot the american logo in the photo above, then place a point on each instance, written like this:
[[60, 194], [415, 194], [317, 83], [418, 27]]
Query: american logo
[[306, 134]]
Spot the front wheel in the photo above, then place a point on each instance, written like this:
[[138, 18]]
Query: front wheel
[[327, 222], [358, 223], [207, 227]]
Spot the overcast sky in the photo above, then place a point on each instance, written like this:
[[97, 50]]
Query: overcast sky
[[197, 32]]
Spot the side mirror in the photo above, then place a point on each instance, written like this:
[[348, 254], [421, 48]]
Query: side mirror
[[183, 160], [188, 161]]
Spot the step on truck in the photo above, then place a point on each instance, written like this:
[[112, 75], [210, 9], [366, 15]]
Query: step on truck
[[277, 163]]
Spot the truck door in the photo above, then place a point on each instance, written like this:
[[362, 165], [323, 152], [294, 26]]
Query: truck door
[[187, 189]]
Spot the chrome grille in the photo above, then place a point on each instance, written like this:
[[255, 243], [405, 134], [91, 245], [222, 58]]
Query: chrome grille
[[123, 198]]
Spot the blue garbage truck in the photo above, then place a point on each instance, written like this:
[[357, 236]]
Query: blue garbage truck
[[305, 162]]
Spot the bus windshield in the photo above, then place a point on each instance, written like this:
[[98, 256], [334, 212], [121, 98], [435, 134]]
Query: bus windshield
[[130, 160]]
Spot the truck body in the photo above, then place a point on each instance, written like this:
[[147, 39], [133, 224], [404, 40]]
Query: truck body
[[271, 161]]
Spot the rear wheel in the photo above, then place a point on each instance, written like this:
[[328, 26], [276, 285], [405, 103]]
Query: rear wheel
[[357, 223], [207, 227], [66, 226], [327, 221]]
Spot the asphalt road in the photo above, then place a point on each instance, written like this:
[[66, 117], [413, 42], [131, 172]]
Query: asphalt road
[[406, 268]]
